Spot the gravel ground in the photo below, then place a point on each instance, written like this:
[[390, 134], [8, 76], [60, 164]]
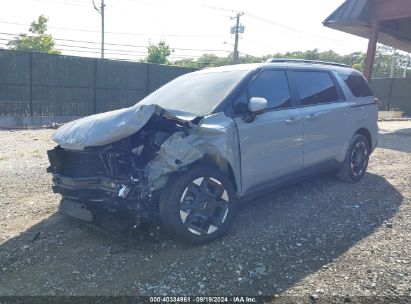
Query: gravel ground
[[318, 238]]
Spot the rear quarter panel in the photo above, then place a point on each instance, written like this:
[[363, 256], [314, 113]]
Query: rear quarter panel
[[363, 113]]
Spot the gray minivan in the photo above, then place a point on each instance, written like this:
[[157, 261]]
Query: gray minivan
[[184, 156]]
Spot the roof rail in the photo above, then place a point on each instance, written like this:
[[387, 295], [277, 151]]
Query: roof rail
[[278, 60]]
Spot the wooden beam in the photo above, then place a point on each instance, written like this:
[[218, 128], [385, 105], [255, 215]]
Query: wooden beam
[[372, 47], [391, 9]]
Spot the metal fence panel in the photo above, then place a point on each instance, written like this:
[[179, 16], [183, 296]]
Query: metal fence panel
[[14, 68], [111, 99], [50, 85], [401, 88], [401, 104], [14, 83], [121, 75], [47, 85], [381, 87], [395, 93], [14, 100], [161, 74], [62, 101], [66, 71]]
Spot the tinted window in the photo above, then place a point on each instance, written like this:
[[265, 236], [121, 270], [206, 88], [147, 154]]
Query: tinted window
[[315, 87], [357, 84], [273, 86], [241, 104]]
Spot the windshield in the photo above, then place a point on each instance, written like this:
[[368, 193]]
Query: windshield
[[196, 93]]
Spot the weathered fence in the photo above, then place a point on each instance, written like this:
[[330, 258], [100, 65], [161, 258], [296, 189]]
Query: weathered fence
[[395, 93], [36, 84]]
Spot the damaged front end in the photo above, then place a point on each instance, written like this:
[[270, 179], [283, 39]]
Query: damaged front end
[[115, 164], [98, 179]]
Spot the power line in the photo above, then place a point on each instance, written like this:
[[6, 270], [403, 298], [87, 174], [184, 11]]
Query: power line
[[277, 24], [83, 49], [128, 56], [300, 32], [301, 36], [80, 41], [259, 43], [93, 51], [248, 55], [120, 33], [132, 59], [118, 44], [64, 2]]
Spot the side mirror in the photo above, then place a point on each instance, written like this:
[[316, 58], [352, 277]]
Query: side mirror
[[256, 105]]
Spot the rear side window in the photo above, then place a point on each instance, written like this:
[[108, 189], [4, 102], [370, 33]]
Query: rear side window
[[273, 86], [315, 87], [357, 84]]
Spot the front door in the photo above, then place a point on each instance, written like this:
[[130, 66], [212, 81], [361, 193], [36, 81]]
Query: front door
[[270, 145]]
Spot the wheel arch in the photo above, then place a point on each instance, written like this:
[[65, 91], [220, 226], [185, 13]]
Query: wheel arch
[[220, 164], [367, 134]]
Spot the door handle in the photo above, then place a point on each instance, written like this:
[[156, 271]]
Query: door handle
[[293, 120], [312, 116]]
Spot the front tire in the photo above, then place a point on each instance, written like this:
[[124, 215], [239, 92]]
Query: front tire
[[356, 161], [199, 205]]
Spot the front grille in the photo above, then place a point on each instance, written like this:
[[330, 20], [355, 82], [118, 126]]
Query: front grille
[[80, 164]]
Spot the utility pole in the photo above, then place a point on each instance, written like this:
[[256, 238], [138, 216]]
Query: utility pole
[[101, 12], [236, 30]]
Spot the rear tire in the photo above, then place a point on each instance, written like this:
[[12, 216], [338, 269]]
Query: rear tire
[[356, 161], [198, 206]]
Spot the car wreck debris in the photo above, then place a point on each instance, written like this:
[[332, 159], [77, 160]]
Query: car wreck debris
[[116, 162]]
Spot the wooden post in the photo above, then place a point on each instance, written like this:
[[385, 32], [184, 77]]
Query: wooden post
[[372, 47]]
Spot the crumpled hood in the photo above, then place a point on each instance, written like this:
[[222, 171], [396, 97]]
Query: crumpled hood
[[105, 128]]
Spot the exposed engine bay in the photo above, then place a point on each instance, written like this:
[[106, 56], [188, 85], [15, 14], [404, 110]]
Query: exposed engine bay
[[123, 178]]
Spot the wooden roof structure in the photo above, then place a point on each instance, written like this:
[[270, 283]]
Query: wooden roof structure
[[384, 21]]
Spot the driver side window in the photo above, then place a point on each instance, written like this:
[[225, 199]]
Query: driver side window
[[271, 85]]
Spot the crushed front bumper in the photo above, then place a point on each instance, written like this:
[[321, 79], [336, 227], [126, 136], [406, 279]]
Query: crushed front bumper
[[84, 195], [89, 183]]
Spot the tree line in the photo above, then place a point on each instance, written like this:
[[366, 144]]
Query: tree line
[[386, 62]]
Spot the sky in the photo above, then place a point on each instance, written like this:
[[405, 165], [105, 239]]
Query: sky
[[190, 27]]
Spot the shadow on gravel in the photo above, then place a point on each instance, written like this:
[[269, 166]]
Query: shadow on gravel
[[277, 240], [398, 140]]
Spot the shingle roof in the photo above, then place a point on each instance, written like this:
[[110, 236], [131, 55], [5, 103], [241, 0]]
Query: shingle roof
[[352, 11], [354, 17]]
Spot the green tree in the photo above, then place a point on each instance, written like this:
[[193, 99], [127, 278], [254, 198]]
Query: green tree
[[158, 53], [40, 41], [212, 60], [356, 59], [186, 62], [385, 58]]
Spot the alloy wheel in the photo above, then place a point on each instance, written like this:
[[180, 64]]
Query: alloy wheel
[[359, 158], [204, 205]]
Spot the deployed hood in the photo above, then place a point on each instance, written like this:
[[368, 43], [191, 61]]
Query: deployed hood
[[105, 128]]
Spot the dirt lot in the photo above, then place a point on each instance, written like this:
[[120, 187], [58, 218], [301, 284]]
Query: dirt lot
[[321, 237]]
